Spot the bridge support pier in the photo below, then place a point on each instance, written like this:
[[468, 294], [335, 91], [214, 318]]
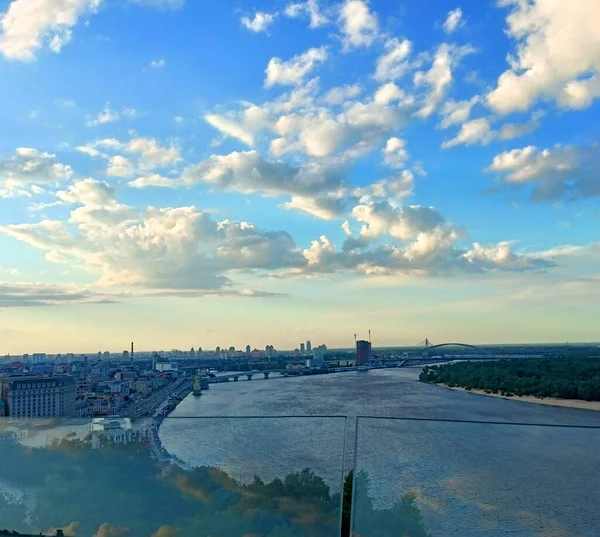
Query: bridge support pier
[[249, 377], [266, 375]]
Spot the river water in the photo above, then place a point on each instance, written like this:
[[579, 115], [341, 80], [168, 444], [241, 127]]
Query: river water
[[516, 479]]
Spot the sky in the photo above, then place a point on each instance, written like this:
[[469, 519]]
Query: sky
[[186, 173]]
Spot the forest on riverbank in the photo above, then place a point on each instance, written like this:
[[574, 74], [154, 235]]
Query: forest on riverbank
[[122, 491], [561, 378]]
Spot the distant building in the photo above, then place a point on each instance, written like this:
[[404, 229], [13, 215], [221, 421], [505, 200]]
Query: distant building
[[38, 397], [308, 346], [302, 348], [248, 350], [112, 429], [363, 351], [163, 367], [38, 358]]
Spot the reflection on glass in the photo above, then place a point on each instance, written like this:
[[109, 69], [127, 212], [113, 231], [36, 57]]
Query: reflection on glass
[[116, 477], [452, 479]]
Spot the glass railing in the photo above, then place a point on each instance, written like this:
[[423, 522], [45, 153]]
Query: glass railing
[[446, 478], [289, 477], [219, 477]]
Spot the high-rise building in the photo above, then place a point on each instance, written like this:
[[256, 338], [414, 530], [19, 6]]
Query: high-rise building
[[38, 397], [301, 348], [308, 346], [363, 351], [248, 350]]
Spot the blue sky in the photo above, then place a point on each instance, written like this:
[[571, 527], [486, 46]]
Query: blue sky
[[193, 173]]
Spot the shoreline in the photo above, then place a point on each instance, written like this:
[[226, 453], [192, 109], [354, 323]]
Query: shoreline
[[549, 401]]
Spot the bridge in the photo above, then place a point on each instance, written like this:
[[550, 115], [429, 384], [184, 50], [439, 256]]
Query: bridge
[[248, 374]]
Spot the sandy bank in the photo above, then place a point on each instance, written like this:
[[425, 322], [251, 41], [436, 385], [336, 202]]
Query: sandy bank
[[570, 403]]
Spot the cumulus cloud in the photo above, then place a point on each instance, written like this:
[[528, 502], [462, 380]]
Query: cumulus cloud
[[358, 24], [145, 155], [29, 167], [308, 8], [248, 171], [394, 152], [158, 64], [380, 218], [563, 172], [108, 115], [475, 131], [557, 57], [88, 192], [259, 23], [393, 63], [26, 27], [457, 112], [508, 131], [341, 94], [429, 253], [439, 77], [294, 71], [158, 249], [454, 21]]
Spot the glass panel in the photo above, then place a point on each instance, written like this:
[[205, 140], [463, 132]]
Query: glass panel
[[223, 477], [450, 479]]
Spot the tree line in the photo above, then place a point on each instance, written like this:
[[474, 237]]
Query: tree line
[[562, 378]]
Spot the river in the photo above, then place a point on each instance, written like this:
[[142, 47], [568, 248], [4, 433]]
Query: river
[[518, 479]]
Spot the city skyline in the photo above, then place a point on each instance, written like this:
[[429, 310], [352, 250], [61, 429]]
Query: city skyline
[[183, 173]]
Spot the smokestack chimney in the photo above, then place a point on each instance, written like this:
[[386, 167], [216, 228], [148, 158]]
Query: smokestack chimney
[[132, 351]]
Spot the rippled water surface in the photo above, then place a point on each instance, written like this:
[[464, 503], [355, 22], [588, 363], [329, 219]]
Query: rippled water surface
[[469, 479]]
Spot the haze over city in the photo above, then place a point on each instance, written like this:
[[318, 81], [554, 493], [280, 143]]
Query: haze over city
[[297, 170]]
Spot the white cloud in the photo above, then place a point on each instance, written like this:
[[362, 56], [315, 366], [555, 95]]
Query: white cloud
[[558, 55], [248, 171], [341, 94], [294, 71], [154, 180], [457, 112], [319, 207], [380, 218], [151, 154], [168, 249], [508, 131], [393, 63], [157, 64], [475, 131], [388, 93], [394, 152], [357, 130], [358, 24], [309, 8], [27, 27], [230, 128], [259, 23], [108, 115], [29, 167], [564, 172], [178, 119], [453, 21], [88, 192], [120, 166], [147, 154], [439, 76]]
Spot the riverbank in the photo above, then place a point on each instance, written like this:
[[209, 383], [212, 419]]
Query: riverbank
[[551, 401]]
